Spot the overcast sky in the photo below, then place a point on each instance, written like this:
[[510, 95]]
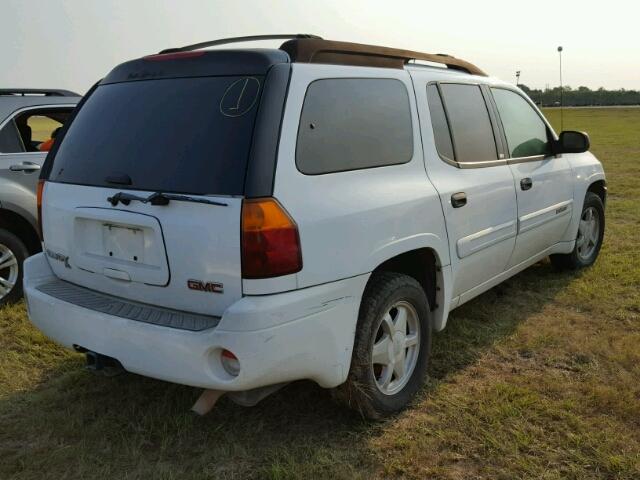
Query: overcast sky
[[72, 43]]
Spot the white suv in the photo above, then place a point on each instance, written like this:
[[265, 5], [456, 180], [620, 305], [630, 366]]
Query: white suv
[[238, 219]]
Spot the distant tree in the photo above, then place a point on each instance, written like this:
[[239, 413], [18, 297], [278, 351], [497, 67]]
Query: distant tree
[[582, 96]]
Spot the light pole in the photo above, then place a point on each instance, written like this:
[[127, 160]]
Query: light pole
[[561, 88], [517, 77]]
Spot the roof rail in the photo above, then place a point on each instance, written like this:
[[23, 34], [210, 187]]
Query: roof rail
[[225, 41], [47, 92], [317, 50]]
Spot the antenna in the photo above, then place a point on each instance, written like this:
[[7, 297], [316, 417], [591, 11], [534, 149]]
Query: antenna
[[561, 88]]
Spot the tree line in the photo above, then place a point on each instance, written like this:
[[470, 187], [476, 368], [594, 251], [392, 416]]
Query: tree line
[[582, 96]]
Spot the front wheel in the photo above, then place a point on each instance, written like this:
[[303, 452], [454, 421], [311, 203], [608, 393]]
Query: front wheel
[[13, 252], [589, 237], [391, 348]]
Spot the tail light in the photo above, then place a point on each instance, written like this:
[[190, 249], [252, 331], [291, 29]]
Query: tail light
[[39, 206], [270, 240]]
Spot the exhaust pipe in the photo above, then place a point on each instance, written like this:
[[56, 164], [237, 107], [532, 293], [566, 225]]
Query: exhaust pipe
[[103, 364]]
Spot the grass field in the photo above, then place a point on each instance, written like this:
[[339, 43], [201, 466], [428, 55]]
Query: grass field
[[538, 378]]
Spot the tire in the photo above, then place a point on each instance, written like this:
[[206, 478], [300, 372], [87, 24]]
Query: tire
[[400, 296], [589, 237], [13, 252]]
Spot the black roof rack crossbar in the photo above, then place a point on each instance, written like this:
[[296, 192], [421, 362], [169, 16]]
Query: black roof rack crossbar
[[225, 41], [47, 92]]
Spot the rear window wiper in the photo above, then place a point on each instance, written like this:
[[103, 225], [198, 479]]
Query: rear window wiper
[[159, 198]]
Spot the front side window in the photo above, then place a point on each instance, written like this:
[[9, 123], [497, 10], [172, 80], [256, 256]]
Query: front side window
[[10, 139], [526, 133], [33, 130], [354, 123]]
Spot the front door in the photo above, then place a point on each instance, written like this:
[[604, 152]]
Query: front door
[[25, 139], [543, 181]]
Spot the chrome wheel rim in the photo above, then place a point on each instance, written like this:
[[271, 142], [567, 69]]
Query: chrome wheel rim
[[8, 271], [395, 349], [588, 233]]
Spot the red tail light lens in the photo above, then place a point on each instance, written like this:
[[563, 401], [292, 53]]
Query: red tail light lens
[[39, 206], [270, 240], [173, 56]]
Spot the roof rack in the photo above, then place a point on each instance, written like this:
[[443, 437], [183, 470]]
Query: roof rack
[[225, 41], [307, 48], [47, 92], [317, 50]]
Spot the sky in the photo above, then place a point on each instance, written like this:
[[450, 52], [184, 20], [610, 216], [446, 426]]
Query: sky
[[73, 43]]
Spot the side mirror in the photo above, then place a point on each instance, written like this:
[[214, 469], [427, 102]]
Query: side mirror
[[572, 142]]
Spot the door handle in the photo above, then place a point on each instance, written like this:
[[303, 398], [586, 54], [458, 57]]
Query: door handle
[[458, 200], [526, 183], [25, 167]]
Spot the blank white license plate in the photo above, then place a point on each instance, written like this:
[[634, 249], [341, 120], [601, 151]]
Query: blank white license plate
[[123, 242]]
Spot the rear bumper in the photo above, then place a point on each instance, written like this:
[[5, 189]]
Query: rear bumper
[[303, 334]]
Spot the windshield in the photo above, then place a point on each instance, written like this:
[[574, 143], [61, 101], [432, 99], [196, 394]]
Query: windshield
[[182, 135]]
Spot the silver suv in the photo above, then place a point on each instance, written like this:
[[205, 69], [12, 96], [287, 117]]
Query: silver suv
[[29, 122]]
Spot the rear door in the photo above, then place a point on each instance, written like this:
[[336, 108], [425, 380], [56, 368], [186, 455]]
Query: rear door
[[544, 183], [186, 137], [476, 186]]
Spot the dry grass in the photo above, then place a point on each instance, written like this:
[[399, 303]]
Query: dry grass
[[538, 378]]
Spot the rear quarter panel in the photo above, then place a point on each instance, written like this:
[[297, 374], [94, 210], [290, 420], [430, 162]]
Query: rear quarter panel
[[351, 222]]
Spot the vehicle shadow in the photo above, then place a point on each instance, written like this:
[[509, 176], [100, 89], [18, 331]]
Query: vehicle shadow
[[96, 427]]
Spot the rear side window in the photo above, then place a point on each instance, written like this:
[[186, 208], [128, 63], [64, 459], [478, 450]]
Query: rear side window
[[441, 132], [470, 123], [354, 123], [526, 133], [183, 135]]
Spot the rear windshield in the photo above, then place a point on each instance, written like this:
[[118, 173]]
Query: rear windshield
[[184, 135]]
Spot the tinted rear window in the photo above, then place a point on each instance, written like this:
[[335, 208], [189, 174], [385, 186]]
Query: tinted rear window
[[354, 123], [186, 135], [470, 123]]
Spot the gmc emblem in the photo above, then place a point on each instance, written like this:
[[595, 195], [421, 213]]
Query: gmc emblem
[[211, 287]]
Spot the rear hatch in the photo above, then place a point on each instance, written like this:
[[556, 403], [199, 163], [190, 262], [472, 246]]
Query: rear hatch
[[186, 139]]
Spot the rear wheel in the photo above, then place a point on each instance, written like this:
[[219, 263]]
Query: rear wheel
[[13, 252], [589, 238], [391, 348]]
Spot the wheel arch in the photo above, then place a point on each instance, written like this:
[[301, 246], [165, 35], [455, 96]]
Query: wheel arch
[[599, 187], [424, 264], [22, 228]]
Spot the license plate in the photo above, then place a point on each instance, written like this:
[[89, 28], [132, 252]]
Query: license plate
[[123, 242]]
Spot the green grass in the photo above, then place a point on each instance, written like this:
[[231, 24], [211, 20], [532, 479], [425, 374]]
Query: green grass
[[538, 378]]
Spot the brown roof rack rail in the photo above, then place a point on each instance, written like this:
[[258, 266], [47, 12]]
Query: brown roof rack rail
[[226, 41], [317, 50]]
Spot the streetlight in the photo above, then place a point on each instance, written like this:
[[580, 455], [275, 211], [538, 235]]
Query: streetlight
[[561, 88], [517, 77]]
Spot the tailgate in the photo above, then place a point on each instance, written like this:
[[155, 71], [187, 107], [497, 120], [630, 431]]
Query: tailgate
[[183, 255]]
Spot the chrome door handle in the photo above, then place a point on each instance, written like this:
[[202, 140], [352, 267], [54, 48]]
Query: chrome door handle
[[25, 167]]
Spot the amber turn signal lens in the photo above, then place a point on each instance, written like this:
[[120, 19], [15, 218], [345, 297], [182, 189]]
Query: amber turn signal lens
[[270, 240]]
